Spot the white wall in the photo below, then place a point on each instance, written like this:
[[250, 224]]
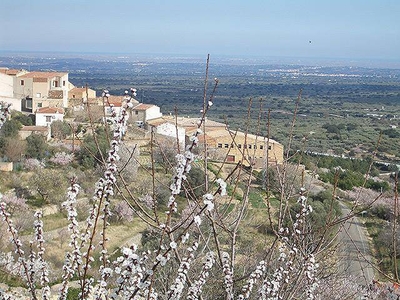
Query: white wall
[[153, 113], [169, 129], [7, 92], [6, 85], [41, 119]]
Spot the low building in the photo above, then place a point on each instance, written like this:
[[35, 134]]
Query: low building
[[81, 94], [248, 149], [142, 113], [46, 115], [167, 128], [115, 103], [232, 146], [26, 131]]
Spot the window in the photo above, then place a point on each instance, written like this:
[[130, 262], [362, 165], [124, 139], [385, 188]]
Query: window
[[219, 145], [28, 103], [136, 112], [73, 96], [22, 82], [226, 145], [261, 147], [48, 119], [249, 146], [38, 95], [55, 83], [269, 147], [39, 104], [240, 146], [63, 82], [232, 145], [255, 146], [230, 158]]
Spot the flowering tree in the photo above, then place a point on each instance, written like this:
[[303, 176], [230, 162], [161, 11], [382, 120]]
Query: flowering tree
[[62, 158], [199, 249]]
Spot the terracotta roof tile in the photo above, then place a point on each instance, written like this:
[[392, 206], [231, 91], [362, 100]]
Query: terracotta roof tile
[[50, 110], [10, 72], [55, 94], [43, 74], [142, 106]]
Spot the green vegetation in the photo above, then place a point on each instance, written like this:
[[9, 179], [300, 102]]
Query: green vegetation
[[90, 155], [36, 146], [60, 129]]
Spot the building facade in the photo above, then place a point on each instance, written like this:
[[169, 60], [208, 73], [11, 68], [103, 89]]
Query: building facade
[[47, 115], [247, 149], [81, 94], [41, 89], [142, 113]]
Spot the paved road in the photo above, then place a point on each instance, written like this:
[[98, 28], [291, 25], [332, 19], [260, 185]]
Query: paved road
[[355, 250]]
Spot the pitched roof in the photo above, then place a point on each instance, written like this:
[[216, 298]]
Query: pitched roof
[[159, 121], [114, 100], [50, 110], [193, 122], [142, 106], [232, 133], [43, 74], [10, 72]]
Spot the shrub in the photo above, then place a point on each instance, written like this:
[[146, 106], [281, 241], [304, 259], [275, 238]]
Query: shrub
[[33, 164], [62, 158]]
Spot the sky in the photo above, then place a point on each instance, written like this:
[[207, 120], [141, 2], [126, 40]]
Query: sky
[[349, 29]]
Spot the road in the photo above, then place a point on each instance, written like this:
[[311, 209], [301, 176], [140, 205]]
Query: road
[[354, 250]]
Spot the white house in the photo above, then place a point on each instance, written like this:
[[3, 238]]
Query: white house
[[145, 112], [115, 103], [169, 129], [46, 115], [7, 87]]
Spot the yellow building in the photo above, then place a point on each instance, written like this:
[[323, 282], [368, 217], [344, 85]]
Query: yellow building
[[235, 146], [82, 94]]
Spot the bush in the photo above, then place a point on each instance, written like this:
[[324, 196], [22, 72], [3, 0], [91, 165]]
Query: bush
[[382, 212], [60, 129], [36, 146], [89, 156]]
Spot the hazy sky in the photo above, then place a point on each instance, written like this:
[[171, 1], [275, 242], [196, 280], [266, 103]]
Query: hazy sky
[[336, 28]]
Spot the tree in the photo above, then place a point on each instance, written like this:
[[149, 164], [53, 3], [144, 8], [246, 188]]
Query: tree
[[195, 183], [60, 129], [164, 152], [92, 153], [14, 149], [50, 184], [23, 119], [11, 128], [36, 146]]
